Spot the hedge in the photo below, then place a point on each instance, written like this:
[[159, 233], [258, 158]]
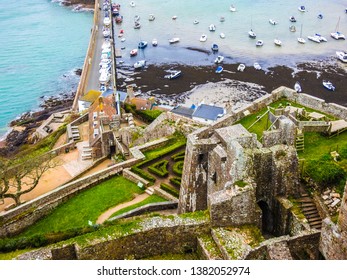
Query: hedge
[[169, 189], [178, 156], [176, 181], [159, 168], [178, 168], [142, 173], [148, 115]]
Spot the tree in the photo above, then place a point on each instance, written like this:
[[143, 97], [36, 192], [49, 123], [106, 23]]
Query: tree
[[21, 175]]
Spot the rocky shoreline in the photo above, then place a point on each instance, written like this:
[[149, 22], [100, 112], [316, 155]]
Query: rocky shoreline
[[23, 127]]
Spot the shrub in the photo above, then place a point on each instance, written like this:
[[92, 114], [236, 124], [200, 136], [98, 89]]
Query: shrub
[[178, 168], [148, 115], [159, 168], [130, 108], [325, 172], [145, 175], [169, 189], [176, 181], [178, 156]]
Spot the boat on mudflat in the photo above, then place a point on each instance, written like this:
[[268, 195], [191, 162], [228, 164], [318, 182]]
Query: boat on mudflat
[[203, 38], [257, 66], [297, 87], [139, 64], [342, 56], [133, 52], [174, 75], [219, 69], [278, 42], [259, 43], [252, 34], [241, 67], [328, 85]]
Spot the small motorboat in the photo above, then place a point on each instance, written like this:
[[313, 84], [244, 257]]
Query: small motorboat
[[328, 85], [337, 35], [106, 45], [297, 87], [119, 19], [301, 40], [105, 62], [222, 35], [241, 67], [219, 69], [196, 21], [154, 42], [137, 25], [151, 17], [278, 42], [342, 56], [133, 52], [104, 77], [136, 18], [174, 17], [292, 19], [122, 40], [132, 4], [292, 28], [174, 40], [302, 8], [214, 48], [142, 45], [106, 32], [175, 74], [272, 21], [107, 21], [105, 68], [232, 8], [257, 66], [222, 19], [219, 59], [203, 38], [321, 38], [252, 34], [139, 64], [212, 27], [320, 16], [259, 43], [314, 39]]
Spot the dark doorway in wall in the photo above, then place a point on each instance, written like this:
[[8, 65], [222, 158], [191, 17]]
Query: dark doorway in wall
[[267, 218]]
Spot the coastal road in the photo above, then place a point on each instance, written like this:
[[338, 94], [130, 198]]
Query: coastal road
[[93, 80]]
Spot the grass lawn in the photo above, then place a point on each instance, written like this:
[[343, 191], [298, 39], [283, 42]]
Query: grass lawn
[[151, 199], [88, 205]]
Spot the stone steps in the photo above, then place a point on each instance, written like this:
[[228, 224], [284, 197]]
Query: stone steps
[[310, 211]]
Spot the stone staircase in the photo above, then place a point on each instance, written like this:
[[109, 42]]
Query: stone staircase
[[299, 141], [310, 211]]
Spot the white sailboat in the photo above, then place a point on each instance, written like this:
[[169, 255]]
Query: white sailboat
[[337, 35], [301, 39]]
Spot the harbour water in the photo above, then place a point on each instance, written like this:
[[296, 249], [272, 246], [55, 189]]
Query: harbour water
[[43, 42], [41, 45], [236, 46]]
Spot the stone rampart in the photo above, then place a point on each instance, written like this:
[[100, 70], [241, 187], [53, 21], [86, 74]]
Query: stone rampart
[[159, 206], [16, 220], [87, 61]]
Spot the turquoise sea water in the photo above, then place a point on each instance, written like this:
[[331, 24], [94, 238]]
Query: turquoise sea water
[[41, 43], [237, 46]]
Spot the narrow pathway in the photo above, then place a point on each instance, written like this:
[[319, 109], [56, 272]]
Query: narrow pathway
[[104, 216]]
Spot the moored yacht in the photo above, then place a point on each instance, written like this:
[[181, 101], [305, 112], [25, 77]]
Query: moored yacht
[[342, 56]]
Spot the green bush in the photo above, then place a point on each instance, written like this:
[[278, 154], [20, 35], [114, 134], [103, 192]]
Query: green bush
[[169, 189], [159, 168], [178, 156], [145, 175], [324, 172], [176, 181], [130, 108], [178, 168], [148, 115]]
